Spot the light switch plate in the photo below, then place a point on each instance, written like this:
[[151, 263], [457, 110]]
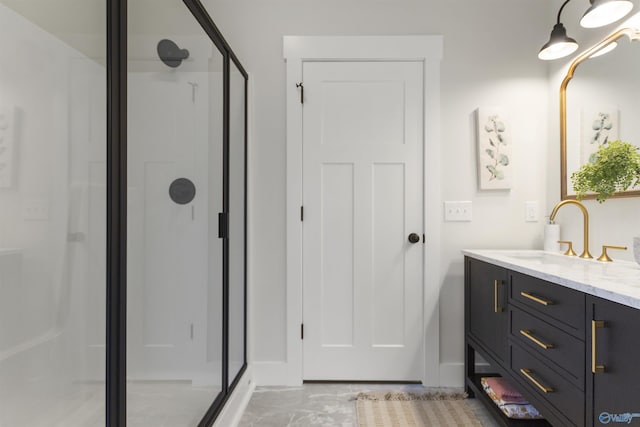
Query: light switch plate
[[531, 211], [458, 211]]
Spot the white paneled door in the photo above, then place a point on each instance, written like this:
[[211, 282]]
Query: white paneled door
[[362, 198]]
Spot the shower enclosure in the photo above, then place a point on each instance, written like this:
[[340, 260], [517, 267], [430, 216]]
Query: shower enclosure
[[122, 214]]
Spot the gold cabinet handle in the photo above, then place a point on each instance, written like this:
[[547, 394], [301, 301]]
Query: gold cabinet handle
[[595, 324], [527, 373], [536, 299], [527, 334], [496, 307]]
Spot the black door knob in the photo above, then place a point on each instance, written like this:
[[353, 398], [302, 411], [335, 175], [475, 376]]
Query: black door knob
[[414, 238]]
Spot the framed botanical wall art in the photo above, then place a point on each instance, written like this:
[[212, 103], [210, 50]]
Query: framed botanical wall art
[[495, 168], [598, 127]]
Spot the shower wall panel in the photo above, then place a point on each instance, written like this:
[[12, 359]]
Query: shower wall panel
[[52, 220]]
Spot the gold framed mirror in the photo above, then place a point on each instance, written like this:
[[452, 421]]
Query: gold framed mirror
[[603, 104]]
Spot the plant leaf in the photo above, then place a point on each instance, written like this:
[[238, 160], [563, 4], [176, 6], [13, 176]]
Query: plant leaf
[[615, 167], [489, 151], [504, 159]]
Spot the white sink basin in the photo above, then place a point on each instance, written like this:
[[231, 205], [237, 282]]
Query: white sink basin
[[540, 257]]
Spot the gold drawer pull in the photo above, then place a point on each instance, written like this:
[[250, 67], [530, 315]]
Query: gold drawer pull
[[536, 299], [595, 324], [527, 334], [527, 373], [496, 307]]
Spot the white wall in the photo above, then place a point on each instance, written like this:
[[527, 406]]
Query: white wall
[[615, 221], [490, 59]]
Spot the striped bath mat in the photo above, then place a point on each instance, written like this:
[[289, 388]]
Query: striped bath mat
[[393, 409]]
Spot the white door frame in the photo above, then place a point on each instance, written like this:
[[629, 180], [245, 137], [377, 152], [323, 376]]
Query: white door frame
[[428, 49]]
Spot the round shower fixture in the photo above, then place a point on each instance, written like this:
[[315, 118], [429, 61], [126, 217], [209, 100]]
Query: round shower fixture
[[171, 54], [182, 191]]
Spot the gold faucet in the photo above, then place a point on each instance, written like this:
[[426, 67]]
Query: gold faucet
[[585, 253]]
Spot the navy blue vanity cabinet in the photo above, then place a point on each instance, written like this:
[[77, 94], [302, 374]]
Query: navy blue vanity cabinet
[[486, 286], [613, 368], [574, 356], [486, 332], [547, 342]]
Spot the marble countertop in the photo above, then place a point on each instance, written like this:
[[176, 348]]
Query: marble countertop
[[617, 281]]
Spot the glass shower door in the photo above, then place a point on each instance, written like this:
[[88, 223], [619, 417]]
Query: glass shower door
[[52, 214], [175, 191], [237, 221]]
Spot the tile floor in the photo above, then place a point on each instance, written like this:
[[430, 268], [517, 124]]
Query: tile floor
[[326, 405], [149, 404]]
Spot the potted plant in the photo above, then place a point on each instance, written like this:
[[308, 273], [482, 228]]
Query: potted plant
[[615, 167]]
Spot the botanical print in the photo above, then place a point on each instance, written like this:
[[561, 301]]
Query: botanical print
[[599, 127], [494, 150]]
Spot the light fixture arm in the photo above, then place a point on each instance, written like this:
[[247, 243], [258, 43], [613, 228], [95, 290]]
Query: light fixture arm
[[560, 11]]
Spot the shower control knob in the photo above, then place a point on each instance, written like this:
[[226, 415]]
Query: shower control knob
[[414, 238]]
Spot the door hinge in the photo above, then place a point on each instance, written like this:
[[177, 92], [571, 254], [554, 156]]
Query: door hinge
[[302, 331], [301, 86], [424, 239], [301, 213]]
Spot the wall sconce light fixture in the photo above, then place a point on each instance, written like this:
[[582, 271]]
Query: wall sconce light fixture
[[604, 12], [600, 13], [559, 44]]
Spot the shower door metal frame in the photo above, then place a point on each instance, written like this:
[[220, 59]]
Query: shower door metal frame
[[116, 227], [116, 262]]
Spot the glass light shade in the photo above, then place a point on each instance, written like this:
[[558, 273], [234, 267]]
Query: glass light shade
[[604, 12], [559, 44]]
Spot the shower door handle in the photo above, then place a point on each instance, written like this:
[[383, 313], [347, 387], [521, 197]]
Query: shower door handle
[[223, 225]]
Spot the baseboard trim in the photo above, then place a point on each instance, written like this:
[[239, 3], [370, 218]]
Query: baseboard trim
[[452, 374], [236, 404], [275, 374]]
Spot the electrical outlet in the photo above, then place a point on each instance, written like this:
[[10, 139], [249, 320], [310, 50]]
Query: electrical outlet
[[531, 213], [35, 210], [458, 211]]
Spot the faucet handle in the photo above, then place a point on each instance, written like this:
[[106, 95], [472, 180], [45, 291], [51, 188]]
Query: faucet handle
[[570, 251], [605, 257]]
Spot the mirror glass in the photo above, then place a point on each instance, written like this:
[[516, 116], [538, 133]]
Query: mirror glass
[[601, 104]]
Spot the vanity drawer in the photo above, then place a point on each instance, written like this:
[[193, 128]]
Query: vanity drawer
[[556, 301], [553, 344], [547, 384]]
